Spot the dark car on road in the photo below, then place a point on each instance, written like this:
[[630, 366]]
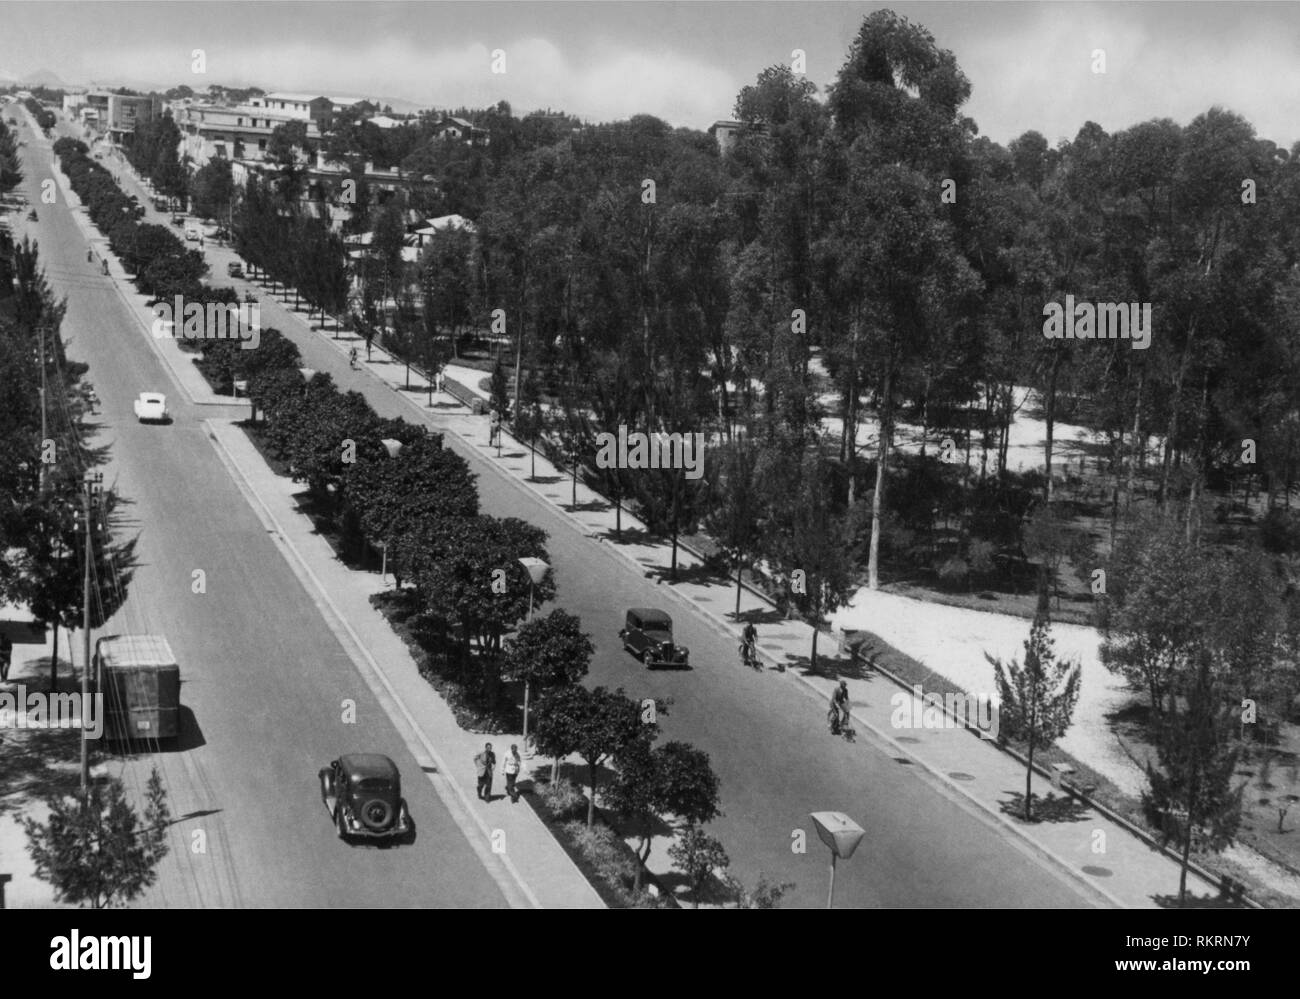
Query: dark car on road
[[235, 269], [363, 794], [648, 634]]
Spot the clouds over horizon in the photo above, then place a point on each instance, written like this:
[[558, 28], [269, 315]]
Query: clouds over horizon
[[615, 82]]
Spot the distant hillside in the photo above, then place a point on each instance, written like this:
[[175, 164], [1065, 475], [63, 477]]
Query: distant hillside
[[44, 78]]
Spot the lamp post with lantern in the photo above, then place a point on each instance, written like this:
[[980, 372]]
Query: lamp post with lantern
[[537, 570]]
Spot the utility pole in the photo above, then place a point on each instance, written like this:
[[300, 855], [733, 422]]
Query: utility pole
[[40, 334], [90, 500]]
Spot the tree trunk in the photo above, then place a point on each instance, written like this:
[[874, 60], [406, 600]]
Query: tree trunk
[[591, 801], [812, 662], [1172, 430], [740, 568], [642, 855], [1137, 447], [1197, 460], [54, 661], [925, 414], [672, 572], [1029, 778], [877, 505], [1051, 420], [1193, 790], [1004, 444]]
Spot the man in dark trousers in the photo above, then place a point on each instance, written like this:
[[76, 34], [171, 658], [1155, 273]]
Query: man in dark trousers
[[6, 654], [483, 764]]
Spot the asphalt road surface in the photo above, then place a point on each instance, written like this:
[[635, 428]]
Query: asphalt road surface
[[264, 679]]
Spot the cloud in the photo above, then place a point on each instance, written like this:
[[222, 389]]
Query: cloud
[[1041, 76]]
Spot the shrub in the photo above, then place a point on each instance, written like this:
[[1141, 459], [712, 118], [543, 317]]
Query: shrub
[[981, 557], [697, 855], [766, 894], [564, 800], [601, 847], [954, 571]]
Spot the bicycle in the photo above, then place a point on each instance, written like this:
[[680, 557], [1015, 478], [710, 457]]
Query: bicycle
[[352, 359], [840, 723], [749, 655]]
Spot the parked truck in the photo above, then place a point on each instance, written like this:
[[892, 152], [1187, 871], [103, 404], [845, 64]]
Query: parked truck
[[140, 680]]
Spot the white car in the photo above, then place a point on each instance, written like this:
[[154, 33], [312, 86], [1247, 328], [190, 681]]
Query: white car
[[192, 233], [151, 406]]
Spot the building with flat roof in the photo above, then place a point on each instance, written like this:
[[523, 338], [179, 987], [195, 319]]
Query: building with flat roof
[[240, 132], [116, 115]]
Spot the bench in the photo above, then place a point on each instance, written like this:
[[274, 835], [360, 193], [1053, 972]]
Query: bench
[[1063, 780]]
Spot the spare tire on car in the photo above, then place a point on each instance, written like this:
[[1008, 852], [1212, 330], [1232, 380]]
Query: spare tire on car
[[376, 814]]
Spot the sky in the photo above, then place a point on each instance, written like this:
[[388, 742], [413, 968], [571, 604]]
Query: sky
[[1030, 64]]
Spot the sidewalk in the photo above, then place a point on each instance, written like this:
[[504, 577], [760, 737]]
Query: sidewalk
[[544, 875], [30, 669]]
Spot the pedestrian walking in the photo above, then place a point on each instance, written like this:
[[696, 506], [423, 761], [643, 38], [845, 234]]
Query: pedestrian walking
[[483, 764], [511, 768], [494, 432], [6, 654]]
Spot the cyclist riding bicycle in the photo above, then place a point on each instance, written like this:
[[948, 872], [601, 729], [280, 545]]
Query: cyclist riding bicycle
[[839, 712], [749, 643], [352, 358]]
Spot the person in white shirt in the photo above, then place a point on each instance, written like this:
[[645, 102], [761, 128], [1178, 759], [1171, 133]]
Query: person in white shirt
[[510, 766]]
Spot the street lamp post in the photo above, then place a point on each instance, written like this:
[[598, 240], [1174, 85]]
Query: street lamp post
[[842, 835], [40, 332], [93, 483], [537, 570], [394, 448]]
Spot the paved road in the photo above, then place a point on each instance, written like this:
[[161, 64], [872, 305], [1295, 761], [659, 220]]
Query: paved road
[[264, 680], [765, 735]]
